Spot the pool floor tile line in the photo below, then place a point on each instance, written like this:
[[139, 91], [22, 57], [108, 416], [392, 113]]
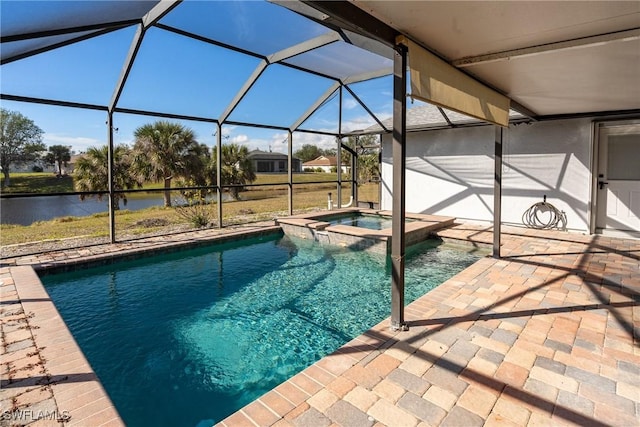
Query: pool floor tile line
[[546, 335]]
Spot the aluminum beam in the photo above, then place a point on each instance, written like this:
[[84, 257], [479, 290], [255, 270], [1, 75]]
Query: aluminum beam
[[158, 12], [601, 39], [126, 68], [79, 38], [257, 72], [363, 105], [303, 47], [319, 102], [58, 103], [345, 15], [153, 16], [69, 30], [382, 72]]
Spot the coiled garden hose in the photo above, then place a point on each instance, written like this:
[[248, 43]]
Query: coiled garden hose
[[544, 216]]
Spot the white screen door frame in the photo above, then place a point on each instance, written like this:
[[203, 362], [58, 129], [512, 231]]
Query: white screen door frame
[[616, 179]]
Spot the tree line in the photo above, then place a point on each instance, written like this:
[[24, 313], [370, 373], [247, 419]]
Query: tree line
[[162, 151], [366, 146]]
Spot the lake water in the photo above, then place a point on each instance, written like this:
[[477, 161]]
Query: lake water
[[27, 210]]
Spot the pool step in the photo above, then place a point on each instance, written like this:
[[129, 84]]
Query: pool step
[[322, 236]]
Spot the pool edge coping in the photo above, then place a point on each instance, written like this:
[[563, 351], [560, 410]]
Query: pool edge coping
[[58, 370], [156, 248]]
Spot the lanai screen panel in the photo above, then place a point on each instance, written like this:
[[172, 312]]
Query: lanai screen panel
[[342, 60], [260, 27], [181, 75], [377, 95], [18, 18], [296, 91], [86, 71]]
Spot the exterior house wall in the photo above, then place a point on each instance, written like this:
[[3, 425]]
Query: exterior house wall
[[327, 164], [451, 172], [267, 162], [28, 167]]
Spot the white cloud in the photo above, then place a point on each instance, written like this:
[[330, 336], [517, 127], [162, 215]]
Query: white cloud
[[77, 143], [320, 141], [350, 104], [227, 129], [238, 139]]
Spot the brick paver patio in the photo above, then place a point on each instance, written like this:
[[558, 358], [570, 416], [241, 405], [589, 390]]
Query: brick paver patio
[[547, 335]]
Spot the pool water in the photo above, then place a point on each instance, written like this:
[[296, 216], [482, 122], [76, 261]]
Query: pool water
[[186, 339], [371, 222]]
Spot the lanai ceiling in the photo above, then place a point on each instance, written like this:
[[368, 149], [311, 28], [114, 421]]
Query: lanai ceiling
[[550, 57]]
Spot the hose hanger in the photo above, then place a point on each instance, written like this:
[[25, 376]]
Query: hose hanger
[[544, 216]]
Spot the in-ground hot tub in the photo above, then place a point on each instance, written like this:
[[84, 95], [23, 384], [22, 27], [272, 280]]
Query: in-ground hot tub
[[363, 220], [359, 228]]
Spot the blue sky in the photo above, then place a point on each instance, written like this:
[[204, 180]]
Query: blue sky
[[183, 76]]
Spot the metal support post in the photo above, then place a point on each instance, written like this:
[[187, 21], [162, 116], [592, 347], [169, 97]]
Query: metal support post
[[290, 171], [219, 171], [399, 166], [339, 153], [111, 184], [497, 191]]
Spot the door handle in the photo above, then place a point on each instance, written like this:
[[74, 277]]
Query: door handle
[[601, 184]]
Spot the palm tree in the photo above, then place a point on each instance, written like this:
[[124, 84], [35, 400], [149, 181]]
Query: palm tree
[[163, 151], [237, 168], [92, 172]]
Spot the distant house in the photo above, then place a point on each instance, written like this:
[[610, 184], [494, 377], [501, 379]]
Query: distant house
[[326, 163], [268, 162], [39, 165]]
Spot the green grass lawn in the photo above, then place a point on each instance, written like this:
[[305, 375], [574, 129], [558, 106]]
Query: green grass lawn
[[38, 182], [46, 182]]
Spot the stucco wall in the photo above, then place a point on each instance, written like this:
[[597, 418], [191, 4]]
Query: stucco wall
[[450, 172]]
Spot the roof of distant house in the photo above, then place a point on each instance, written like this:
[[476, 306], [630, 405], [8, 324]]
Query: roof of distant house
[[430, 116], [322, 161], [267, 155]]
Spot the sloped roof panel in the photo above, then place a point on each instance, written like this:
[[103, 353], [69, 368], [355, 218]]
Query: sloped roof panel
[[30, 26], [341, 60], [28, 17], [21, 47], [258, 27]]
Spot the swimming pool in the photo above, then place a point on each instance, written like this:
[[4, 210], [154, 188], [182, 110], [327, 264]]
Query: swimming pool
[[186, 339]]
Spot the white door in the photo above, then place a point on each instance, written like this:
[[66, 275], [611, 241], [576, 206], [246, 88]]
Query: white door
[[618, 191]]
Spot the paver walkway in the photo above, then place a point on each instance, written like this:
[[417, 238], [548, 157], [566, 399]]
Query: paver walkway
[[547, 335]]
